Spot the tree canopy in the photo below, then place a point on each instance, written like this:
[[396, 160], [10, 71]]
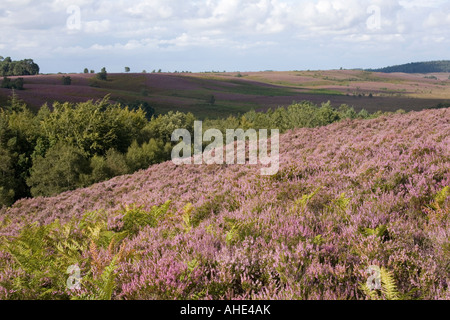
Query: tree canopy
[[25, 67]]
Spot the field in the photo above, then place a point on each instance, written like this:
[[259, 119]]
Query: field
[[240, 92], [354, 195]]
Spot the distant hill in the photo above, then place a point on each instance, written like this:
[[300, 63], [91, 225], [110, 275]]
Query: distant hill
[[418, 67], [235, 94]]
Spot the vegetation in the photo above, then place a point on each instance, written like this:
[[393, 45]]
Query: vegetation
[[102, 75], [10, 84], [8, 67], [75, 145], [67, 81], [349, 197], [418, 67]]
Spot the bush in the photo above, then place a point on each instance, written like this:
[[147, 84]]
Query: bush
[[102, 75], [67, 81], [16, 84]]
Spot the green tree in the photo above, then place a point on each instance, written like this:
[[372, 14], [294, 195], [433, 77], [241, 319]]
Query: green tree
[[102, 75], [103, 168], [18, 134], [7, 180], [127, 69], [94, 127], [9, 84], [6, 83], [162, 127], [61, 169], [142, 157], [86, 70], [8, 67], [67, 81], [18, 84]]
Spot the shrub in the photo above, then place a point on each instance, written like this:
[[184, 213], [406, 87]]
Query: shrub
[[67, 81]]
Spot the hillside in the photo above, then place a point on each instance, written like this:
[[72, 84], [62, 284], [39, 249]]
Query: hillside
[[348, 196], [240, 92], [418, 67]]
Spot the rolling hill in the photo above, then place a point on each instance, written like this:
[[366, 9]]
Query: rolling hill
[[240, 92], [348, 196]]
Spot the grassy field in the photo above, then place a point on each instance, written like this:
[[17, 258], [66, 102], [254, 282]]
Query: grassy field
[[240, 92]]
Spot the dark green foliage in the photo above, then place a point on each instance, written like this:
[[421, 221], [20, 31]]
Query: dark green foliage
[[418, 67], [86, 70], [60, 170], [7, 181], [141, 157], [163, 126], [140, 104], [103, 168], [67, 81], [442, 106], [116, 163], [72, 146], [94, 127], [102, 75], [18, 133], [12, 84], [18, 68]]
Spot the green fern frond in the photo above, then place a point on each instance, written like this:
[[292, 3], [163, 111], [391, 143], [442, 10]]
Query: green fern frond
[[108, 281], [389, 287]]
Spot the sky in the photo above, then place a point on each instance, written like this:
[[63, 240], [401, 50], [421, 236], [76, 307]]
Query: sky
[[223, 35]]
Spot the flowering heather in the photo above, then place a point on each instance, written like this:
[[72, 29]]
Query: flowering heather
[[348, 196]]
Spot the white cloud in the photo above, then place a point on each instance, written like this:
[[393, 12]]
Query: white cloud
[[177, 25], [97, 26]]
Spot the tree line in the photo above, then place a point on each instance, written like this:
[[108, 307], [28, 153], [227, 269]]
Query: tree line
[[417, 67], [25, 67], [74, 145]]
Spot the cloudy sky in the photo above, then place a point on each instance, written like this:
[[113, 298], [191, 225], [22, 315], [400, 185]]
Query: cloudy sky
[[231, 35]]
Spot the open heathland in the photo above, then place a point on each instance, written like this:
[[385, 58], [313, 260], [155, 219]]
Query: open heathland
[[241, 92], [349, 197]]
